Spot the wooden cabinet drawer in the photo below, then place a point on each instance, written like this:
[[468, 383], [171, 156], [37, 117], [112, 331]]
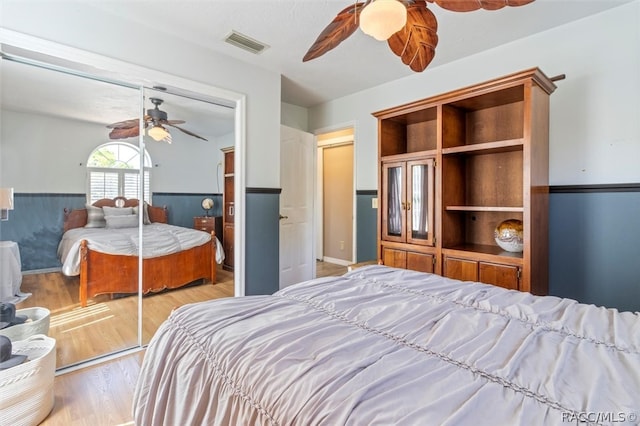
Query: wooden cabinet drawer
[[460, 269], [414, 261], [498, 274], [501, 275], [394, 258], [208, 224], [203, 223], [420, 262]]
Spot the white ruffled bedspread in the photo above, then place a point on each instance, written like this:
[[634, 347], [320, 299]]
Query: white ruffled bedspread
[[383, 346], [159, 239]]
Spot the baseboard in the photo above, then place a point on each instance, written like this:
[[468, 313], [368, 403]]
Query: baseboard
[[341, 262], [41, 271]]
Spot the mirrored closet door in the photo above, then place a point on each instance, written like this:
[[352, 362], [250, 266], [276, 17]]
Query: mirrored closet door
[[118, 190], [56, 154], [184, 138]]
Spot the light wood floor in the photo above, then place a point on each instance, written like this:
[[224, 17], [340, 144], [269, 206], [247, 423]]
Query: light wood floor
[[101, 395], [107, 325]]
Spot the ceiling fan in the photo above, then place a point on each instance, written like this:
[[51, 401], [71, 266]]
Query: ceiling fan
[[155, 118], [413, 38]]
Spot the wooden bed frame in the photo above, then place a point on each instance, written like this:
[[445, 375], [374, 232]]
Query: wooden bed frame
[[102, 273]]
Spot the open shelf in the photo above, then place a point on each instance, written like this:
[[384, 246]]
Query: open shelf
[[409, 156], [485, 209], [464, 250], [412, 132], [474, 228], [492, 180], [487, 119], [486, 147]]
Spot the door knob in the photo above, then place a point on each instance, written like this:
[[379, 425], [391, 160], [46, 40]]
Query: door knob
[[284, 217]]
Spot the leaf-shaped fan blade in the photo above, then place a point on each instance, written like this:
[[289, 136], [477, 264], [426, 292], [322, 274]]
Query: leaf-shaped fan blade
[[171, 122], [416, 42], [342, 26], [183, 130], [124, 132], [127, 124], [470, 5]]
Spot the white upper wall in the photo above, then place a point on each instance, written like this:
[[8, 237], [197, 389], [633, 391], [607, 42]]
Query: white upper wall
[[595, 113], [81, 26], [55, 153], [294, 116]]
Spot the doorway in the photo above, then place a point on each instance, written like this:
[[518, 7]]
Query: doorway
[[335, 195]]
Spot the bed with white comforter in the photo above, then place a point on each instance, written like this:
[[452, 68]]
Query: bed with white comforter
[[159, 239], [383, 346]]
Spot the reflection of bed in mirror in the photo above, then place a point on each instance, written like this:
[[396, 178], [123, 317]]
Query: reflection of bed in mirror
[[100, 243]]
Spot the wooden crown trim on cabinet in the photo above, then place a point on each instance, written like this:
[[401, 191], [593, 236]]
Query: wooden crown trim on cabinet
[[455, 165], [533, 74]]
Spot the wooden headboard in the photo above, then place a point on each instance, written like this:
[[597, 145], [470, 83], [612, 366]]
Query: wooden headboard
[[77, 218]]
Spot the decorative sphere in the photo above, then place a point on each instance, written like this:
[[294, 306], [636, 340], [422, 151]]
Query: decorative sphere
[[207, 203], [509, 235]]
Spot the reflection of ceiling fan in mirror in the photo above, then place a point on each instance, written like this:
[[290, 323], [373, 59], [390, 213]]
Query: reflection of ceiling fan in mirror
[[408, 26], [155, 121]]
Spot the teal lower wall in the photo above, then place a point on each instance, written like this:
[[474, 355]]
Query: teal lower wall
[[594, 247], [262, 241], [35, 224], [366, 228], [594, 241], [36, 221], [184, 207]]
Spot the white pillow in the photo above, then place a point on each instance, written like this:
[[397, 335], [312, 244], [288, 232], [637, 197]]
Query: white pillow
[[145, 211], [117, 211], [95, 217], [122, 221]]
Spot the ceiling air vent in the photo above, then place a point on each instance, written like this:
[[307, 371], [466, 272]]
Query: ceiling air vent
[[246, 43]]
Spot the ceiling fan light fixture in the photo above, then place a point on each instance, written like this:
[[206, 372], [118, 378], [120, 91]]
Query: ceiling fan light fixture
[[158, 133], [382, 18]]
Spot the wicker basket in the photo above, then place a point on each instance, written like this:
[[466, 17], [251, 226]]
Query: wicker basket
[[26, 390], [38, 324]]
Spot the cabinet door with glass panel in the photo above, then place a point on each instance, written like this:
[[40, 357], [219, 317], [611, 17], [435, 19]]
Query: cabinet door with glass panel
[[408, 201]]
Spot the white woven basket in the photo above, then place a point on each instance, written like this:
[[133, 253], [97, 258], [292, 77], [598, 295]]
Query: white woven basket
[[38, 323], [26, 390]]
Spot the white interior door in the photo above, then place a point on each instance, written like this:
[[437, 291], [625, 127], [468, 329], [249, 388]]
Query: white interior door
[[297, 174]]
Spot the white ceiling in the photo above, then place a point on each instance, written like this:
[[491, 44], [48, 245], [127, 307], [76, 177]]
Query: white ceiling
[[35, 90], [290, 27]]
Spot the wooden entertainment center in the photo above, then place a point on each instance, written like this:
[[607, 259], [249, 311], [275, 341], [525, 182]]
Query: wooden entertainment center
[[453, 166]]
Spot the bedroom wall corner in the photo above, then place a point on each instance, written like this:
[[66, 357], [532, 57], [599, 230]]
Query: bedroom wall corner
[[294, 116], [183, 207]]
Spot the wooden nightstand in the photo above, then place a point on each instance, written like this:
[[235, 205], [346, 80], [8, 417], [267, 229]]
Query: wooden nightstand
[[208, 224]]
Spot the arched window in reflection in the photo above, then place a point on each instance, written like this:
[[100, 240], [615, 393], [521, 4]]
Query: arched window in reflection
[[113, 170]]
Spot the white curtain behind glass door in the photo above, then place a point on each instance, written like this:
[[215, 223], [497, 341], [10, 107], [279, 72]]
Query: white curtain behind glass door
[[394, 225], [419, 216]]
